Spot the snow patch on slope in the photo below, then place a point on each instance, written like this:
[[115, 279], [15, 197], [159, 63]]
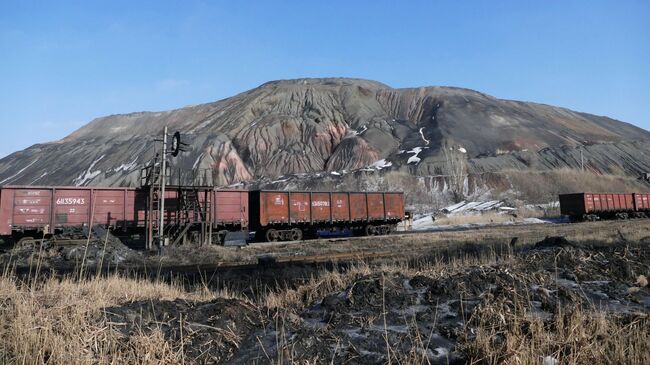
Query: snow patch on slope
[[19, 172], [198, 159], [354, 132], [88, 175], [126, 167], [363, 129], [474, 207], [378, 165], [415, 158], [422, 135], [38, 178]]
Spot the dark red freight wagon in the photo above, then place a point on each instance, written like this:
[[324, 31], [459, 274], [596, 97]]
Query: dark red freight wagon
[[230, 208], [33, 210], [594, 206], [288, 215]]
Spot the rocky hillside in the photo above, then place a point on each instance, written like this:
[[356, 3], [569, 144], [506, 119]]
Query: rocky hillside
[[337, 126]]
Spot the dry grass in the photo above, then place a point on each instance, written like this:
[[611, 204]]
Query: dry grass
[[544, 186], [60, 321], [315, 288], [574, 336]]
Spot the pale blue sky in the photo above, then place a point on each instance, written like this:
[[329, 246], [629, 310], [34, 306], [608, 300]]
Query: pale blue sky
[[64, 63]]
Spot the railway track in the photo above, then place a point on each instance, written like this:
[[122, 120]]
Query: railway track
[[415, 242], [269, 258], [343, 250]]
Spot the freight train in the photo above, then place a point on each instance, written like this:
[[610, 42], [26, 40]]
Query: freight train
[[203, 214], [595, 206]]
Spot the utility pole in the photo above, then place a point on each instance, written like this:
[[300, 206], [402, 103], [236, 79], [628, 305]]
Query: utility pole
[[163, 176]]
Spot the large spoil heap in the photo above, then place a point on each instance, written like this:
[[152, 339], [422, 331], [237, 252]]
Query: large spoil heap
[[336, 125]]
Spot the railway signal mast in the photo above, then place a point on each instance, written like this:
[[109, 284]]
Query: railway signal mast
[[161, 213], [156, 232]]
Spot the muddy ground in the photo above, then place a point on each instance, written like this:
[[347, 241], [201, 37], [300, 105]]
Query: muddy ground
[[415, 315]]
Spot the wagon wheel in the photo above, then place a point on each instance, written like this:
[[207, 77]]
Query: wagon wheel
[[370, 230], [272, 235], [296, 234]]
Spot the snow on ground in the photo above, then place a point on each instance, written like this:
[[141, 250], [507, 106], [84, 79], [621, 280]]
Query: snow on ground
[[336, 173], [88, 175], [536, 220], [415, 158], [126, 166], [422, 135], [18, 173], [549, 205], [378, 165], [356, 133], [38, 178], [422, 222], [198, 159], [426, 223], [475, 207]]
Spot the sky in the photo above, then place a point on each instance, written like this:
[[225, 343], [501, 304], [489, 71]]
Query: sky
[[63, 63]]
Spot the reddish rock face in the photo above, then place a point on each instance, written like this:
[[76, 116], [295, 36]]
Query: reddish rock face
[[352, 153], [310, 126]]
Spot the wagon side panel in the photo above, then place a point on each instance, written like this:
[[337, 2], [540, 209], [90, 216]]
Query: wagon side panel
[[629, 202], [274, 208], [340, 207], [358, 207], [109, 207], [376, 206], [231, 207], [32, 208], [394, 206], [300, 207], [6, 211], [321, 207]]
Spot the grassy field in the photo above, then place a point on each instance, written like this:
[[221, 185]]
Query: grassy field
[[583, 300]]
